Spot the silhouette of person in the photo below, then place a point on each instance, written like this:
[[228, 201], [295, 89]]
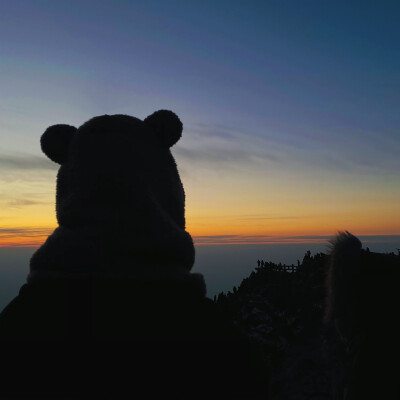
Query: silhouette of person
[[112, 284], [363, 304]]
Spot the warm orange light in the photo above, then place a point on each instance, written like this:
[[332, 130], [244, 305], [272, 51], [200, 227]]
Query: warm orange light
[[248, 213], [24, 237]]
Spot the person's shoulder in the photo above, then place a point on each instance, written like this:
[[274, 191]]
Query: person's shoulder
[[37, 312]]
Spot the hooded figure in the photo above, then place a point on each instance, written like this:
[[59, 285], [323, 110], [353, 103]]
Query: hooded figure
[[362, 304], [118, 268]]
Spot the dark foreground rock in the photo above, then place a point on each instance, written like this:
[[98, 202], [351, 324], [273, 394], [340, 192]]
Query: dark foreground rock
[[283, 313]]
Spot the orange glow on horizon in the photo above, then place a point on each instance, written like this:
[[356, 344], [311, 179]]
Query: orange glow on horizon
[[222, 233], [24, 237], [249, 205]]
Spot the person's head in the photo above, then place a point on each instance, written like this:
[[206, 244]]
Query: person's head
[[120, 201]]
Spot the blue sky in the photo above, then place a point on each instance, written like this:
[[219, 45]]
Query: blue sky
[[278, 99], [298, 68]]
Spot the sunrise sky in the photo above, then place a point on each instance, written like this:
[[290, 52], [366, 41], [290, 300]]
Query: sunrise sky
[[290, 108]]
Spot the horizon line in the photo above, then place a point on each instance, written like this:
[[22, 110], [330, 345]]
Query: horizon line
[[33, 241], [293, 239]]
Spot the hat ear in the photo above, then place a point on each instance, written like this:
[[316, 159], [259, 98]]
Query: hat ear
[[55, 142], [167, 126]]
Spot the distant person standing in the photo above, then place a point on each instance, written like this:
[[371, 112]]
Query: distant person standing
[[363, 301]]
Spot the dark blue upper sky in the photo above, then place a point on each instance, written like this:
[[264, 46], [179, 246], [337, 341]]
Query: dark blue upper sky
[[294, 66]]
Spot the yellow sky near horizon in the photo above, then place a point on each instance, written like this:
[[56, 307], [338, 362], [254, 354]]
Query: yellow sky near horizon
[[230, 206], [251, 195]]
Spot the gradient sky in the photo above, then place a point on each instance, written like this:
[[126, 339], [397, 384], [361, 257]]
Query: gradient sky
[[290, 108]]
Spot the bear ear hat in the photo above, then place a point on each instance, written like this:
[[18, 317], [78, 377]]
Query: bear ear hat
[[167, 125], [55, 142]]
